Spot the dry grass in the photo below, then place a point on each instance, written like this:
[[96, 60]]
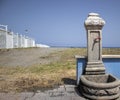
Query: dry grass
[[42, 76]]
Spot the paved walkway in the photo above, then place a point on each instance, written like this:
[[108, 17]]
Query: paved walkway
[[67, 92]]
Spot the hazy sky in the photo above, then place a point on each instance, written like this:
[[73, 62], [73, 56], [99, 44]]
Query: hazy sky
[[60, 22]]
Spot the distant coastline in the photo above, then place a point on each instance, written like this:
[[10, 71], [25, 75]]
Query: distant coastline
[[76, 47]]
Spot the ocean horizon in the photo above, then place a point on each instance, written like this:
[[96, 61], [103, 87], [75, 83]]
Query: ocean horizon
[[78, 47]]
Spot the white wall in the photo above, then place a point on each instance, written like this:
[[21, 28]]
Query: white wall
[[15, 40], [11, 40], [2, 39]]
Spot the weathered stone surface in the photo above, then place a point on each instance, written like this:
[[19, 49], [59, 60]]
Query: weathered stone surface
[[68, 93], [93, 25], [95, 84], [94, 22], [102, 86]]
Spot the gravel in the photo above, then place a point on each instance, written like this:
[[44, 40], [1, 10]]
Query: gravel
[[28, 56]]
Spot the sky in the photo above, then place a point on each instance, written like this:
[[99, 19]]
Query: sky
[[61, 22]]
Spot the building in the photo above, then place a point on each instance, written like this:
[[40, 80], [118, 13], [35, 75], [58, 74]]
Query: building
[[6, 38], [10, 40]]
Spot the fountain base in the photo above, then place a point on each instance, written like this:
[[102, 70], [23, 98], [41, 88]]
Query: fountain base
[[99, 87]]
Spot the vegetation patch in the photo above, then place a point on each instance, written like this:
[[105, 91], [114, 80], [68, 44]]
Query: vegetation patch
[[44, 76]]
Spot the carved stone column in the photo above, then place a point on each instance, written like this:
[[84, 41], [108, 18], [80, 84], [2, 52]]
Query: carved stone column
[[94, 83], [93, 25]]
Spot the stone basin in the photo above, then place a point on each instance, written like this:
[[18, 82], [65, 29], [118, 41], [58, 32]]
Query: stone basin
[[99, 87]]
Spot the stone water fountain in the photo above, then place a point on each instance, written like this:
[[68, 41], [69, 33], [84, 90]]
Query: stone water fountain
[[94, 83]]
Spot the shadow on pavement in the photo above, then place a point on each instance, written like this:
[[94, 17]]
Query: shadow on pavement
[[69, 81]]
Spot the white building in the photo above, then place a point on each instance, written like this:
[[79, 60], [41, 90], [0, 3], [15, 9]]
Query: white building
[[11, 40], [19, 41], [42, 46], [6, 37], [15, 40], [2, 38]]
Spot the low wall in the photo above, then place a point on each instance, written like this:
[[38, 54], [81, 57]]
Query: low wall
[[111, 62]]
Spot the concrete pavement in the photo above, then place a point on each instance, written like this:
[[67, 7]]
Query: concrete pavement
[[65, 92]]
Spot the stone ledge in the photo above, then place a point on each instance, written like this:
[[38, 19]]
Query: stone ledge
[[110, 56], [78, 56], [103, 56]]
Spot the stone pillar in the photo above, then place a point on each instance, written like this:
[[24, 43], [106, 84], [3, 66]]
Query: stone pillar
[[93, 25]]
